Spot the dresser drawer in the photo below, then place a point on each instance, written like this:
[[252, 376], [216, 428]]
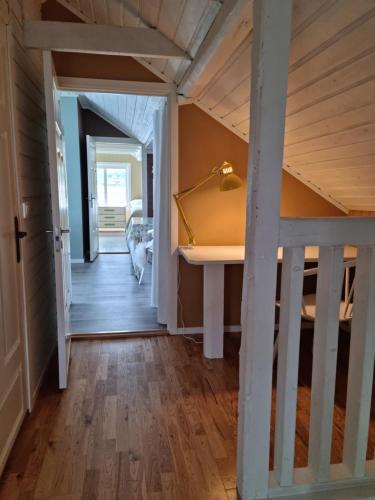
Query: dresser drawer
[[111, 210], [112, 217], [109, 224]]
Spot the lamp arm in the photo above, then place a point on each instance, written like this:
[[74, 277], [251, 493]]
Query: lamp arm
[[188, 229], [182, 194], [201, 182]]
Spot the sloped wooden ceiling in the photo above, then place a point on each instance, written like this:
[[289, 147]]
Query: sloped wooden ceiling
[[132, 114], [330, 125]]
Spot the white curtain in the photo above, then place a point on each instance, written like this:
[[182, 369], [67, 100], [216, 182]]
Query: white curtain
[[159, 296]]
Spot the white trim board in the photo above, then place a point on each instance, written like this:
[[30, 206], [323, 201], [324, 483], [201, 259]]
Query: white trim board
[[115, 86], [99, 39], [145, 63], [77, 261]]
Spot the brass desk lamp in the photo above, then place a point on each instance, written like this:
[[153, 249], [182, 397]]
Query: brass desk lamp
[[228, 181]]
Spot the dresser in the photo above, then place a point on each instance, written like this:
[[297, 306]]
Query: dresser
[[112, 217]]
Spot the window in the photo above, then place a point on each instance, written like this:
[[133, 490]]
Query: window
[[113, 185]]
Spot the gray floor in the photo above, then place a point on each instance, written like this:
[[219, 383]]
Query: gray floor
[[107, 297], [112, 242]]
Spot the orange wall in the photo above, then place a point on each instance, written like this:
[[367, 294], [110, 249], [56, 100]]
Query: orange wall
[[218, 218], [75, 64]]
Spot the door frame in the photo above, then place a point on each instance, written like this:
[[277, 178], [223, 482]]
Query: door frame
[[167, 90]]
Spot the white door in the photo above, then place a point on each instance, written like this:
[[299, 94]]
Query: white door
[[60, 217], [92, 197], [12, 405]]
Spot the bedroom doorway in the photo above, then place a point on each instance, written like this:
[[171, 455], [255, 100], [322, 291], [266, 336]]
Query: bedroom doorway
[[113, 280], [115, 190]]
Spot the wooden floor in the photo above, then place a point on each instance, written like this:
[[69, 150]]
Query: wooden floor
[[113, 242], [147, 419], [107, 297]]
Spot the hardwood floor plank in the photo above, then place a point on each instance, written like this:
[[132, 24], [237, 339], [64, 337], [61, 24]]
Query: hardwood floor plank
[[149, 419], [107, 297]]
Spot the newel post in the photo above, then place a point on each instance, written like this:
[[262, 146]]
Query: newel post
[[269, 79]]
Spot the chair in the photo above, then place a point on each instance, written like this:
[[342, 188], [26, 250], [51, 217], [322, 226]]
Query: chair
[[308, 307]]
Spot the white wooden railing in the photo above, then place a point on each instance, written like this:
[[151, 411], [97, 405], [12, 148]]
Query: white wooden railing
[[331, 235]]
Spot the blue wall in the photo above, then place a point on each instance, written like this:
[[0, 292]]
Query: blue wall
[[69, 118]]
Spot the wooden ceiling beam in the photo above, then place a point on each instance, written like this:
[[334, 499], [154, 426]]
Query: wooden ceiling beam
[[99, 39], [232, 20]]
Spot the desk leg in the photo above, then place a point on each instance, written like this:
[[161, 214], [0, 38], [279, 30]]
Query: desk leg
[[213, 311]]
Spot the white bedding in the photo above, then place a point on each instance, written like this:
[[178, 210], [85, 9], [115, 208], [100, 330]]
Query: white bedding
[[135, 210]]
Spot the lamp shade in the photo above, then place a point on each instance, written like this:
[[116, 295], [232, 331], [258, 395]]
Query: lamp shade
[[229, 180]]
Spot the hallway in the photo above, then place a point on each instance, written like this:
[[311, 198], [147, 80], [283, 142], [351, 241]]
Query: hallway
[[107, 297], [150, 419], [142, 419]]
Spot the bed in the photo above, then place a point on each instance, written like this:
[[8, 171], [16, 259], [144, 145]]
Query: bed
[[135, 210], [139, 236]]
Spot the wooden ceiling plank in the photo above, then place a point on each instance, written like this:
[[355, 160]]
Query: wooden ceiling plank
[[239, 96], [52, 35], [238, 67], [344, 177], [85, 8], [305, 12], [238, 116], [100, 11], [333, 125], [350, 99], [189, 22], [171, 12], [340, 165], [131, 13], [345, 48], [352, 150], [327, 26], [194, 25], [130, 108], [347, 77], [115, 12], [149, 11], [355, 135], [230, 28], [362, 189]]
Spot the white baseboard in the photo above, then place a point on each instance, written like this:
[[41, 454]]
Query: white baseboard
[[192, 330], [77, 261]]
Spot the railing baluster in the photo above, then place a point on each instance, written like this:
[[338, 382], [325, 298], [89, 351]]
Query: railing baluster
[[287, 364], [361, 364], [329, 287]]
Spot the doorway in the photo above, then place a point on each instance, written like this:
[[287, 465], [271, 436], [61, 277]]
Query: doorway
[[166, 269], [111, 225], [119, 187]]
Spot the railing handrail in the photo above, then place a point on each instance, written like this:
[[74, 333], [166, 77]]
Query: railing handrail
[[326, 231]]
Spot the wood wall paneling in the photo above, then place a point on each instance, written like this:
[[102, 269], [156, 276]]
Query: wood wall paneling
[[32, 168]]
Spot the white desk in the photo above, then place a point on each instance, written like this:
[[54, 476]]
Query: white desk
[[213, 260]]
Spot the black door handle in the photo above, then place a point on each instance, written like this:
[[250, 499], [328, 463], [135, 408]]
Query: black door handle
[[18, 235]]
